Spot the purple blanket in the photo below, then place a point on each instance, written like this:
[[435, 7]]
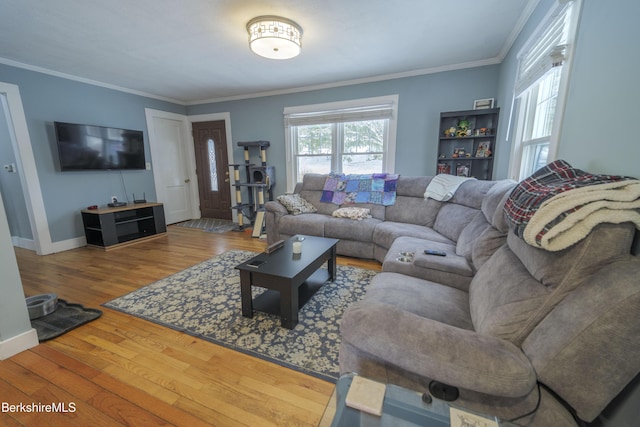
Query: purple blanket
[[377, 188]]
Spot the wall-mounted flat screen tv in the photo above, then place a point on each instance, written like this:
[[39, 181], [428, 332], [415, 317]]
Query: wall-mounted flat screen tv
[[85, 147]]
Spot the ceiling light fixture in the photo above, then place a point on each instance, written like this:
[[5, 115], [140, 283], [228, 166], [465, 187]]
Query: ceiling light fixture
[[274, 37]]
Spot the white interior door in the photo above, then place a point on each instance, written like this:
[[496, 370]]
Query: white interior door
[[172, 161]]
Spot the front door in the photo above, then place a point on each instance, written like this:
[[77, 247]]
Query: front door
[[212, 169]]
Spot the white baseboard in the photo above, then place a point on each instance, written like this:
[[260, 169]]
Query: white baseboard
[[61, 246], [19, 343], [21, 242], [66, 245]]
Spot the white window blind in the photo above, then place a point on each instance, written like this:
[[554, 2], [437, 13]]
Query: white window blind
[[372, 112], [547, 50], [540, 89]]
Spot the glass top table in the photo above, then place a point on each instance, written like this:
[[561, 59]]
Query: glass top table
[[402, 408]]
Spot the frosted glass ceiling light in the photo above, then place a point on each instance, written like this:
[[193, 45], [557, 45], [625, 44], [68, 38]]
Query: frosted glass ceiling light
[[274, 37]]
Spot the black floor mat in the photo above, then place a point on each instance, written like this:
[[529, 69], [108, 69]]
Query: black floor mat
[[65, 318]]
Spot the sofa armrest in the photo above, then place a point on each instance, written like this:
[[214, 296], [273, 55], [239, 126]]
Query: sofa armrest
[[276, 207], [454, 356]]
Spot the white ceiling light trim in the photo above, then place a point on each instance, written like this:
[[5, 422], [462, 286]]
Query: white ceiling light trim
[[274, 37]]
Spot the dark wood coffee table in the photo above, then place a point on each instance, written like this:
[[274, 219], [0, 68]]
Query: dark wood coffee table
[[291, 279]]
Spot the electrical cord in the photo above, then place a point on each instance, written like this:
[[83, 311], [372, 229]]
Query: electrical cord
[[533, 411], [579, 422], [124, 187]]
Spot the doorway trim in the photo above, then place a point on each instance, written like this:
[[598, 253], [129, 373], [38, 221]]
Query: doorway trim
[[188, 152], [189, 120], [21, 143], [227, 126]]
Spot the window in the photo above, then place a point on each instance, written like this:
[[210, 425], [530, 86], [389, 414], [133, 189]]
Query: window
[[540, 89], [353, 137], [213, 165]]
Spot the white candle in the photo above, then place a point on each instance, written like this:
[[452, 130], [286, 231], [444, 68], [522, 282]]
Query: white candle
[[297, 247]]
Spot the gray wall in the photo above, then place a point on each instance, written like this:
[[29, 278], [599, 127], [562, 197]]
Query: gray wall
[[47, 99], [10, 186], [599, 132], [421, 99], [14, 319]]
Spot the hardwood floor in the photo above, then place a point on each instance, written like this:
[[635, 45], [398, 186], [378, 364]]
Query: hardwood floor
[[122, 370]]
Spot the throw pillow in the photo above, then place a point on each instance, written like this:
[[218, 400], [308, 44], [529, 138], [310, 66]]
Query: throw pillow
[[352, 213], [295, 204]]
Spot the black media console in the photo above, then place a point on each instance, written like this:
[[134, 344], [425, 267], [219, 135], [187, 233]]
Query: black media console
[[110, 228]]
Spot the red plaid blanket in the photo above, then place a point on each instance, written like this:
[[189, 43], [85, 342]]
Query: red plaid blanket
[[555, 178]]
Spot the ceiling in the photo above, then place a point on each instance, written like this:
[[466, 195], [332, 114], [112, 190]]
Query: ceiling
[[196, 50]]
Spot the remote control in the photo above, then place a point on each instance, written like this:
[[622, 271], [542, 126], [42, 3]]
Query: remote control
[[433, 252], [274, 247]]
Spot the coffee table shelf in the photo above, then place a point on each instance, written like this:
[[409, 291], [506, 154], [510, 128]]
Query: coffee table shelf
[[291, 279]]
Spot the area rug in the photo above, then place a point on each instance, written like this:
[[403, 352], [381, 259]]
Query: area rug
[[210, 225], [64, 318], [204, 301]]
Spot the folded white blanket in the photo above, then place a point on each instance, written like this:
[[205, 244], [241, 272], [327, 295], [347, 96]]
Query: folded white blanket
[[568, 217], [443, 186]]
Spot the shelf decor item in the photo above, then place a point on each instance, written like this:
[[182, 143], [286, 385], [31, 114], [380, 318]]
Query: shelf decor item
[[484, 149], [481, 104], [473, 140]]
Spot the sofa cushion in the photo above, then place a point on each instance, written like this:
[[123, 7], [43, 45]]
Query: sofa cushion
[[469, 235], [494, 199], [413, 210], [313, 197], [452, 219], [591, 327], [421, 297], [471, 193], [413, 186], [313, 181], [486, 244], [519, 285], [432, 268], [503, 295], [451, 263], [295, 204], [356, 249], [341, 228], [310, 224], [388, 231]]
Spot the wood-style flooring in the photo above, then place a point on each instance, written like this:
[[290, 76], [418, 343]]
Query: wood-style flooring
[[122, 370]]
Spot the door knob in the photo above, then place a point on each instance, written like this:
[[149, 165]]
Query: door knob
[[226, 180], [187, 180]]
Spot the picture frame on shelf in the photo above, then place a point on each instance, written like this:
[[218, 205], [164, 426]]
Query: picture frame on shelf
[[484, 149], [483, 104], [462, 170]]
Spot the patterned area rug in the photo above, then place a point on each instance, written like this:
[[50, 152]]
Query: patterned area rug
[[204, 301], [209, 224]]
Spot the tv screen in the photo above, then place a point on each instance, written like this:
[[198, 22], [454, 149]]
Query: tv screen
[[85, 147]]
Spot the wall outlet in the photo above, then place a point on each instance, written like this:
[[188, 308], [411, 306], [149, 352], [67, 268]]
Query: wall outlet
[[114, 199]]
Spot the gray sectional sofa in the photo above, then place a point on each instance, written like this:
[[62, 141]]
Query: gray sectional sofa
[[412, 223], [540, 338]]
